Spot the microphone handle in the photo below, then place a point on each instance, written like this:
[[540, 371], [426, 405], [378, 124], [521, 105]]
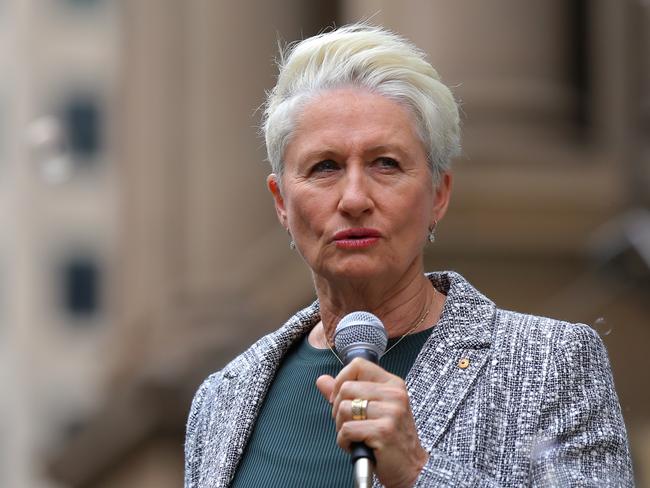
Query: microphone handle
[[359, 449]]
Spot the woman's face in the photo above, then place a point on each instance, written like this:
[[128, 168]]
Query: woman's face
[[356, 192]]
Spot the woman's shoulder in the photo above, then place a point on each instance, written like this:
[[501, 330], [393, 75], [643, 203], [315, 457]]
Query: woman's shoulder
[[507, 329], [508, 325], [238, 366], [514, 326], [536, 344]]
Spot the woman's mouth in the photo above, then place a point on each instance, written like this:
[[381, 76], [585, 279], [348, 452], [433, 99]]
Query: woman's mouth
[[356, 238]]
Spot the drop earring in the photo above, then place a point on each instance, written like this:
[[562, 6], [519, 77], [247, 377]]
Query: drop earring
[[432, 232], [292, 243]]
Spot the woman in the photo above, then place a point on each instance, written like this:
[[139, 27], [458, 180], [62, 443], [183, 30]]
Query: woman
[[360, 133]]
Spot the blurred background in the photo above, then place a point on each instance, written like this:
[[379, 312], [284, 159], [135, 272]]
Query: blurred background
[[135, 224]]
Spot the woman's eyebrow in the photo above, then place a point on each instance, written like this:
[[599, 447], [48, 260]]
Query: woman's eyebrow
[[317, 154], [313, 154], [382, 148]]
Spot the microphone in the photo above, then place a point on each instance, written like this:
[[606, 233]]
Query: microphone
[[361, 335]]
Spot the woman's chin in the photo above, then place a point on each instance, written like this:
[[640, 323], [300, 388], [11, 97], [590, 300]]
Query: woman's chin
[[356, 271]]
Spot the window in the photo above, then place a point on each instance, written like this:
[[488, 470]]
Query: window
[[82, 118], [81, 278]]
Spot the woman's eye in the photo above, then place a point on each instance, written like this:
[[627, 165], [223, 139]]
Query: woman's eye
[[325, 166], [387, 163]]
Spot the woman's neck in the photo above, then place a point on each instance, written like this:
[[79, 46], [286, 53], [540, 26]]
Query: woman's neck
[[400, 305]]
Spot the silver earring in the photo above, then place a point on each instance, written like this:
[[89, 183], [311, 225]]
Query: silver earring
[[292, 243], [432, 232]]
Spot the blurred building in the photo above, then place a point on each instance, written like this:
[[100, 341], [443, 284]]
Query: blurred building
[[59, 65], [139, 249]]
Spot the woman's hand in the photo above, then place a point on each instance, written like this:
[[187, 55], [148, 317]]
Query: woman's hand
[[389, 428]]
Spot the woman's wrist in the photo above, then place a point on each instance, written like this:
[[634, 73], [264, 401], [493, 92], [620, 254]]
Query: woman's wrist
[[415, 474]]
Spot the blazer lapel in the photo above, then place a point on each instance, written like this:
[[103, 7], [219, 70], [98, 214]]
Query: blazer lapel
[[452, 358]]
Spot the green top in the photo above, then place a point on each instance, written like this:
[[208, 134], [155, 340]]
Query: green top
[[293, 442]]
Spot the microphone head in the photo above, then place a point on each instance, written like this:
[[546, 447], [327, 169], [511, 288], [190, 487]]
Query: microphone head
[[360, 330]]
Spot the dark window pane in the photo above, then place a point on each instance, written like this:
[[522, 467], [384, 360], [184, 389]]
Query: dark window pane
[[81, 278], [83, 123]]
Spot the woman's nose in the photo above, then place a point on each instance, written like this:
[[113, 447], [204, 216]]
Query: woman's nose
[[355, 199]]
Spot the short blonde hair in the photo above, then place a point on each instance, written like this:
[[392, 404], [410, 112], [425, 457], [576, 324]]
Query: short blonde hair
[[371, 58]]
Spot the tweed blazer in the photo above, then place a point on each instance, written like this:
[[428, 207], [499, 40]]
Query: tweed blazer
[[536, 405]]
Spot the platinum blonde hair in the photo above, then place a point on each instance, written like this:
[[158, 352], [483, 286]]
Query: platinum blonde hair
[[370, 58]]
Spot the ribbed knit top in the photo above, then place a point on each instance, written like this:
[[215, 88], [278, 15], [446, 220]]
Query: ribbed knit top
[[293, 442]]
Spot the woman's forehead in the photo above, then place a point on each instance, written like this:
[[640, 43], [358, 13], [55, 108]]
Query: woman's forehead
[[353, 118]]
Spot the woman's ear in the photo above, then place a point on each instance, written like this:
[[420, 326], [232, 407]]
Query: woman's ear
[[273, 184], [442, 196]]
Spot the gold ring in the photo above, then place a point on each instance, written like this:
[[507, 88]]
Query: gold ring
[[359, 408]]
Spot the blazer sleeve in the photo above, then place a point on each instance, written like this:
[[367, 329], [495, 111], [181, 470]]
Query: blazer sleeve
[[582, 439], [195, 433]]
